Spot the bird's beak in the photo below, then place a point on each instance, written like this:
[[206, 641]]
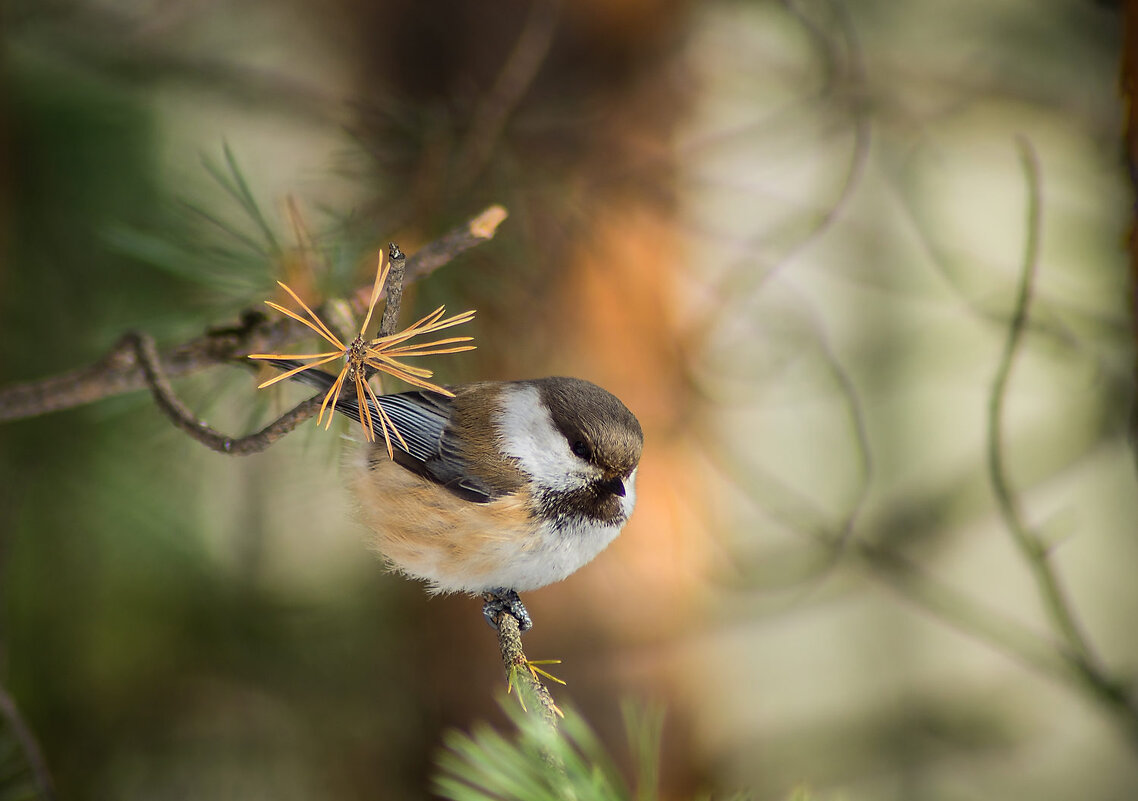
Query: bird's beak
[[615, 486]]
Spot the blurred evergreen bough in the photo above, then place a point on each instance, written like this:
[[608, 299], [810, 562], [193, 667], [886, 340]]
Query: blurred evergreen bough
[[540, 763]]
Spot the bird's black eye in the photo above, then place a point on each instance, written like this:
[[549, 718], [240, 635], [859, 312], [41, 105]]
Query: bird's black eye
[[582, 449]]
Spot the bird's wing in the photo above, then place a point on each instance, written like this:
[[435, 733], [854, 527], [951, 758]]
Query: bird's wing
[[432, 451], [421, 418]]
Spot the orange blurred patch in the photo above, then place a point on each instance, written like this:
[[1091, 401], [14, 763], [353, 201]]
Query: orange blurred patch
[[625, 284]]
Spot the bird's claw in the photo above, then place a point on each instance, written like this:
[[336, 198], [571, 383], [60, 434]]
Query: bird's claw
[[503, 601]]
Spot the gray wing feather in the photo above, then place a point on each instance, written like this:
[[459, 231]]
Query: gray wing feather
[[422, 419], [419, 420], [432, 451]]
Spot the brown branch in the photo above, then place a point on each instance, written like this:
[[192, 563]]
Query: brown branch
[[180, 415], [1072, 641], [394, 289], [120, 371], [515, 77], [518, 671]]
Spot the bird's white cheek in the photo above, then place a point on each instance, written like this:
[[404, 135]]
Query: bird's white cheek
[[629, 500], [528, 435]]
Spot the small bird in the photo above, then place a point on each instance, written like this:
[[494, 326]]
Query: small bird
[[508, 486]]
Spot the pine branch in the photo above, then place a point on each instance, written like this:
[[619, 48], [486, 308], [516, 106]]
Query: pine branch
[[122, 370], [520, 674]]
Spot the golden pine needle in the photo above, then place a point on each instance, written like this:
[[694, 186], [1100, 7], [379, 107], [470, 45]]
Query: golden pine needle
[[532, 664], [294, 355], [428, 325], [510, 682], [386, 423], [413, 379], [382, 353], [388, 364], [295, 370], [365, 412], [319, 328], [333, 394], [381, 272], [384, 420], [420, 348]]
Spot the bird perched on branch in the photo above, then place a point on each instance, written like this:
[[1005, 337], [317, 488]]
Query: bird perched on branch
[[507, 486]]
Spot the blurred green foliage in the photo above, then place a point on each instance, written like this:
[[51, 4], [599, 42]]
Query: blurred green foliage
[[140, 662]]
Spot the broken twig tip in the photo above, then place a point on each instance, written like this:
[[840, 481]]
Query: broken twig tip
[[485, 225]]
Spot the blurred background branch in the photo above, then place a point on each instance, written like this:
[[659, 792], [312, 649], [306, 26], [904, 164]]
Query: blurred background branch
[[29, 752], [1072, 641]]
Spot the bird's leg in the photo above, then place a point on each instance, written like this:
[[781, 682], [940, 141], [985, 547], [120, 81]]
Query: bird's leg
[[502, 601]]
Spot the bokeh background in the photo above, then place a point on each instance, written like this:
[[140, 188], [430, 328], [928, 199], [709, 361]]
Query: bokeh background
[[790, 235]]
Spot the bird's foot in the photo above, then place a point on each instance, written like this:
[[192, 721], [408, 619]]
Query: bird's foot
[[502, 601]]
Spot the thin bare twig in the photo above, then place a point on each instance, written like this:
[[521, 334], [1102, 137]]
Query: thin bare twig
[[892, 569], [1075, 646], [751, 273], [859, 108], [847, 390], [956, 609], [181, 416], [31, 748], [120, 372], [513, 80]]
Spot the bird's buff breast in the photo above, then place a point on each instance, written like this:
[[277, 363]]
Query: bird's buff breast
[[427, 532]]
